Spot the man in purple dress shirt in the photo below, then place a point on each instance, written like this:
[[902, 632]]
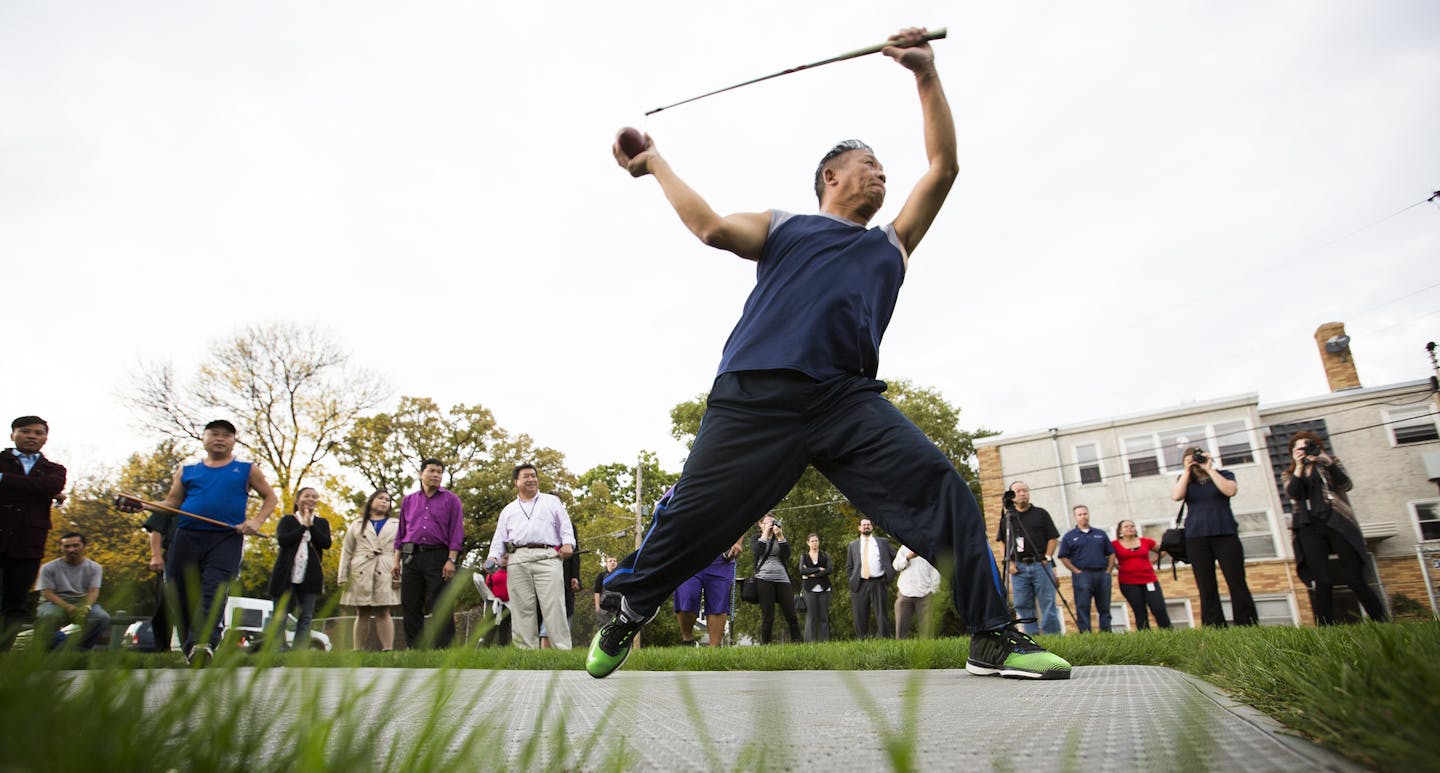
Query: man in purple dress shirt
[[432, 527]]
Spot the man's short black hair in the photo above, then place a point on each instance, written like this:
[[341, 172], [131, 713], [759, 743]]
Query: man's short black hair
[[429, 461], [839, 150], [515, 473], [28, 421], [73, 534], [222, 424]]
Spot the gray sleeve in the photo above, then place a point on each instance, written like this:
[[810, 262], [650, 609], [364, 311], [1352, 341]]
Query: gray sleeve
[[895, 242], [47, 578], [777, 219], [95, 576]]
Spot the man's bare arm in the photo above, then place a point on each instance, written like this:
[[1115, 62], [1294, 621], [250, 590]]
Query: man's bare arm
[[743, 233], [176, 497], [929, 194], [267, 504]]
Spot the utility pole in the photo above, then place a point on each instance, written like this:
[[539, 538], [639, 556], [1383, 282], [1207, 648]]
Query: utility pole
[[639, 499], [639, 514]]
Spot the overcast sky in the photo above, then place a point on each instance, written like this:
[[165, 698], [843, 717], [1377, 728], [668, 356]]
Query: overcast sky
[[1147, 212]]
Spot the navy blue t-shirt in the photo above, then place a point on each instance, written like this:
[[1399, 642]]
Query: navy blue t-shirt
[[825, 288], [1087, 550], [1207, 511]]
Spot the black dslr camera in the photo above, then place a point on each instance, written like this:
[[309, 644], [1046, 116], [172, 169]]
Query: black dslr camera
[[1007, 500], [1199, 457], [1312, 448]]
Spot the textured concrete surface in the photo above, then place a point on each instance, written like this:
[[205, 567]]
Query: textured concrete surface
[[1103, 718]]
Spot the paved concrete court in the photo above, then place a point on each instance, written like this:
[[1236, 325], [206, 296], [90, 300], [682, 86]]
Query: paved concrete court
[[1103, 718]]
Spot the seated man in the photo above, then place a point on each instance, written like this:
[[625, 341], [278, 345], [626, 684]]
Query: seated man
[[70, 585]]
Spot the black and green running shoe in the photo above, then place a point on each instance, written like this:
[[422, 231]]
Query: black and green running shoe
[[1009, 653], [611, 645]]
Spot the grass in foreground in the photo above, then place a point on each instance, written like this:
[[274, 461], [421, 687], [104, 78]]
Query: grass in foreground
[[1370, 692]]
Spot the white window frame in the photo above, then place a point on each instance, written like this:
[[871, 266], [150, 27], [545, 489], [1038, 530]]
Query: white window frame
[[1119, 611], [1210, 442], [1154, 454], [1414, 507], [1189, 611], [1099, 462], [1288, 598], [1392, 416], [1274, 535], [1249, 433]]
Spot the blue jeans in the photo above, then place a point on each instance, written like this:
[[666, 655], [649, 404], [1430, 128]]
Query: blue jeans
[[1035, 584], [1088, 585], [302, 605], [52, 617]]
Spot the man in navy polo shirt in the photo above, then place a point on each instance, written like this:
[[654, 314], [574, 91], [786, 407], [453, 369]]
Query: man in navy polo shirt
[[1090, 557], [796, 387]]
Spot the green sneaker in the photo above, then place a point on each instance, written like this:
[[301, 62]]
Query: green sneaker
[[1008, 652], [611, 645]]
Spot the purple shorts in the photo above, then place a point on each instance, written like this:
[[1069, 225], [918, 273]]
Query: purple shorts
[[717, 580]]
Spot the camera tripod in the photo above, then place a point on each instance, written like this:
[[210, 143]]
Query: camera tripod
[[1010, 519]]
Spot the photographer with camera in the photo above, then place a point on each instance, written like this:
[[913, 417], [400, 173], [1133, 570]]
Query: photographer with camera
[[1030, 538], [772, 553], [1323, 523], [1213, 536]]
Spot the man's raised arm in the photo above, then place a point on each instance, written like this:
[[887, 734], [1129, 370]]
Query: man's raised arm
[[743, 233], [924, 203]]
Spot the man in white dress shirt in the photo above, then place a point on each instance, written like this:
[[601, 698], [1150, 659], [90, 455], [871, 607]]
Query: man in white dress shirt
[[535, 531], [919, 580]]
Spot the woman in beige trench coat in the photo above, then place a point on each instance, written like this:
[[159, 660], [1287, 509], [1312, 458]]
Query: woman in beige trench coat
[[367, 555]]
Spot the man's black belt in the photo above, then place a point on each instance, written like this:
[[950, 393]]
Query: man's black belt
[[540, 545], [430, 546], [1030, 560]]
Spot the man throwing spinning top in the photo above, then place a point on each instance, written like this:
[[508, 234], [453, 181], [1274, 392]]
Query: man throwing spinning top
[[796, 387]]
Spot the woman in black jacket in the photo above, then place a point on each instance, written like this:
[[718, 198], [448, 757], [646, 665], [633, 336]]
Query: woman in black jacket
[[297, 581], [815, 589], [1323, 523], [772, 553]]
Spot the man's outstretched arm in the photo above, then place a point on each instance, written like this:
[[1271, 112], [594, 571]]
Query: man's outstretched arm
[[929, 193], [742, 233]]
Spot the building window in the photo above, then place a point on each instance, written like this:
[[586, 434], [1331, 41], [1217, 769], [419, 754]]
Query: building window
[[1232, 438], [1174, 442], [1119, 615], [1412, 425], [1427, 518], [1256, 535], [1140, 456], [1179, 611], [1087, 458], [1272, 610]]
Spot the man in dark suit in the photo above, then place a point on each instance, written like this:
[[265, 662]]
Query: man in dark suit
[[28, 484], [871, 567]]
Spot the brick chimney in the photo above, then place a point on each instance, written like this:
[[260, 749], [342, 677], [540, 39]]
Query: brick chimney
[[1336, 357]]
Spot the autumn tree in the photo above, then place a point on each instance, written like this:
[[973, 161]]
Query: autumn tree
[[290, 391], [386, 450]]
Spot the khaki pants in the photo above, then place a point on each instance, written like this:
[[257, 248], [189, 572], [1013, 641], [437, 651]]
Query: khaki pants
[[537, 584]]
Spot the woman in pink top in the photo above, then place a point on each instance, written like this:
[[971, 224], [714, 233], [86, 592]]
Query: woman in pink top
[[1138, 583]]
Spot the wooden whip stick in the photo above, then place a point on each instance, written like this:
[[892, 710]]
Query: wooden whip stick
[[147, 505]]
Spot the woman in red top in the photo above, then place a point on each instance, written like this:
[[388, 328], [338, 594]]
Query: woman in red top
[[1138, 583]]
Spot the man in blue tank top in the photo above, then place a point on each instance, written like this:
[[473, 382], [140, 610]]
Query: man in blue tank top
[[797, 387], [217, 487]]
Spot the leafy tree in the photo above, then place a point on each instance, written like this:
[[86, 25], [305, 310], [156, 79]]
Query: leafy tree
[[386, 450], [289, 390]]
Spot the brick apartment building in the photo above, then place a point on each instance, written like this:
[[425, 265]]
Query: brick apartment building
[[1124, 467]]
